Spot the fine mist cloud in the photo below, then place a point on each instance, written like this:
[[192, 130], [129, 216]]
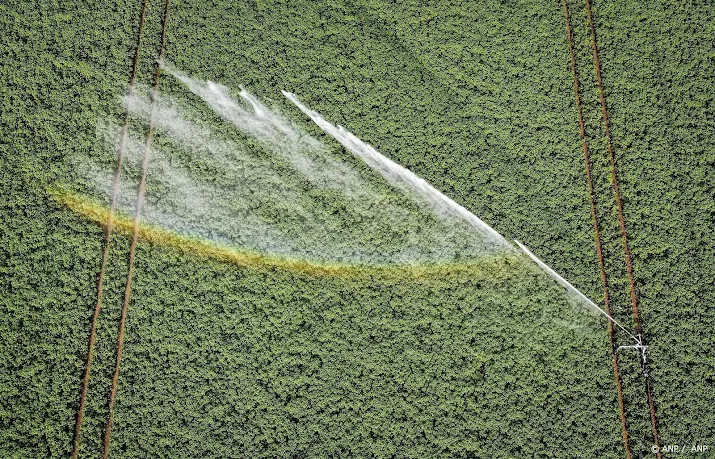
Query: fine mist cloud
[[285, 193]]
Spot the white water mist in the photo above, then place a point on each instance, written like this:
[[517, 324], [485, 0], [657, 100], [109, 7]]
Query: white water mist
[[258, 181]]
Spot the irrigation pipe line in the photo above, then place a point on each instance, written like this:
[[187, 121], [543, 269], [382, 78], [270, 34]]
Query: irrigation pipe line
[[107, 238], [566, 284], [135, 236]]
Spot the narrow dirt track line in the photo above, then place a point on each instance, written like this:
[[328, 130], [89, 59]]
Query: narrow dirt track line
[[614, 171], [107, 239], [621, 218], [135, 236], [594, 216]]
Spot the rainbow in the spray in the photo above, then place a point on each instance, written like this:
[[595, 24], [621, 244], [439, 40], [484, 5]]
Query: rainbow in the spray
[[258, 189], [492, 266]]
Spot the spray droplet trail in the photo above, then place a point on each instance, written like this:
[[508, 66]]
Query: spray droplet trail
[[397, 175], [573, 290]]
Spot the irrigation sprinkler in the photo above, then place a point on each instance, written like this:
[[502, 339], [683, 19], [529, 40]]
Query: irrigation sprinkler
[[642, 348]]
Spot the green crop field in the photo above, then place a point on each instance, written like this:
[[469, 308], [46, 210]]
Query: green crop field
[[485, 358]]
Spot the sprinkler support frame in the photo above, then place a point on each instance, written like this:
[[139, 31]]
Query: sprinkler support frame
[[643, 349]]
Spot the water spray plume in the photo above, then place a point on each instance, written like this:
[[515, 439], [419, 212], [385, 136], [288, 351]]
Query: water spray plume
[[295, 203]]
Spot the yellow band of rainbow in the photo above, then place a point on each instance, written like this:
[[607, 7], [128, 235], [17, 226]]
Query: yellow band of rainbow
[[491, 265]]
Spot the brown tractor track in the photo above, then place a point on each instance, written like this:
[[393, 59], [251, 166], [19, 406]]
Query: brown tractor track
[[135, 237], [621, 220], [597, 232], [107, 239]]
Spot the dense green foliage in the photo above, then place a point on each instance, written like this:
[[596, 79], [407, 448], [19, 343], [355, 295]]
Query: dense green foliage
[[476, 97]]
